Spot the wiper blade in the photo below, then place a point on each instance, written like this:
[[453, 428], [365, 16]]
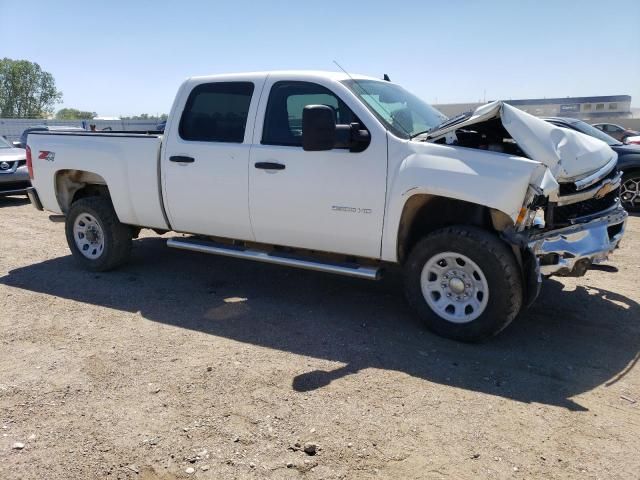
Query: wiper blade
[[453, 120], [419, 133], [446, 123]]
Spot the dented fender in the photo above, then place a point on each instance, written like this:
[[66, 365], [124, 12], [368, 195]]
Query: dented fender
[[498, 181]]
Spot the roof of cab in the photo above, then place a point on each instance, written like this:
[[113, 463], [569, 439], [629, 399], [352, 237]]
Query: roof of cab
[[293, 74]]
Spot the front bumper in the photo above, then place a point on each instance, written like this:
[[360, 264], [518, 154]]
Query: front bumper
[[14, 182], [570, 251]]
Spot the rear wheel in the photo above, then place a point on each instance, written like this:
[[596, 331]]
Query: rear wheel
[[464, 282], [97, 239], [630, 190]]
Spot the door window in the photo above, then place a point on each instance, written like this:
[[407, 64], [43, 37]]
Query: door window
[[283, 118], [216, 112]]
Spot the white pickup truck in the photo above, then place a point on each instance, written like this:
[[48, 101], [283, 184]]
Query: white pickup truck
[[345, 174]]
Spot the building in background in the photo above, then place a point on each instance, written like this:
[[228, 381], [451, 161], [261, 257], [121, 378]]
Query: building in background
[[591, 109]]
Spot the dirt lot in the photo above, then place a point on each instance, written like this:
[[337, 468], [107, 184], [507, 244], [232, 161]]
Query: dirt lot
[[184, 361]]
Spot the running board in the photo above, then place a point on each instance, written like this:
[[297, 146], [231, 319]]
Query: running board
[[354, 270]]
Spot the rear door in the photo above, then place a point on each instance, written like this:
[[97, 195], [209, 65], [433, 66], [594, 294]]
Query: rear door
[[331, 201], [206, 157]]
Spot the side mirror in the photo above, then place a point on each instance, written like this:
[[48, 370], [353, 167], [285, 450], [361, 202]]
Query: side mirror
[[318, 128], [17, 144]]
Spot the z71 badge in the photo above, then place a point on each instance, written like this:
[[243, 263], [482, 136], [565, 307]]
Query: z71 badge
[[46, 155]]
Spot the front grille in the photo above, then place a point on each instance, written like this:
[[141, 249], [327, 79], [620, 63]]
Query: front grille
[[564, 215], [10, 168], [570, 188]]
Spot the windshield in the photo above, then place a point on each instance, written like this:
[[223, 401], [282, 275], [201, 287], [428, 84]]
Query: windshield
[[400, 111], [4, 143], [594, 132]]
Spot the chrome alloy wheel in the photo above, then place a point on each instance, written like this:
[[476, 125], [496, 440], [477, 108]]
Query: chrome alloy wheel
[[630, 192], [88, 236], [454, 287]]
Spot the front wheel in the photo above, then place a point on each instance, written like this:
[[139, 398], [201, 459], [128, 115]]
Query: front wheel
[[96, 238], [464, 282]]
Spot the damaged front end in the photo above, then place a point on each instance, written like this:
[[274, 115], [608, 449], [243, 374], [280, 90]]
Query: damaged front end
[[571, 216], [567, 227], [565, 234], [578, 225]]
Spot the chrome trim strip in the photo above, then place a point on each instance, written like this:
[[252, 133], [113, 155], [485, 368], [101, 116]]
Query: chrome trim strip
[[597, 175], [368, 273], [612, 184], [603, 213]]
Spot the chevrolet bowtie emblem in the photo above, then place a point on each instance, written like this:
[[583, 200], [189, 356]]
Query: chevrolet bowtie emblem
[[603, 190]]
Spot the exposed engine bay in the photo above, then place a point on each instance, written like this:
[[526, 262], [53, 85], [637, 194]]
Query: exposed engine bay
[[570, 212], [489, 135], [574, 200]]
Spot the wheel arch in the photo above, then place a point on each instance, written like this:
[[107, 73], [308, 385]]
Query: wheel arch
[[71, 185], [424, 213]]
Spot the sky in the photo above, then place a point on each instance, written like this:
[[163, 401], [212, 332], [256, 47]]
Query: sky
[[129, 57]]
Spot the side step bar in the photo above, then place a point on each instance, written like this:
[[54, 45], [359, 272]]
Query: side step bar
[[196, 245]]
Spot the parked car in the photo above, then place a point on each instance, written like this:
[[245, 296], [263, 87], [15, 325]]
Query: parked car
[[635, 140], [628, 159], [342, 174], [616, 131], [44, 128], [14, 177]]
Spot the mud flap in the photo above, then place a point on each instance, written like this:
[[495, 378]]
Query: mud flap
[[531, 276]]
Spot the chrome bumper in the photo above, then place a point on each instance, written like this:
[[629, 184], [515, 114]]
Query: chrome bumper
[[570, 251]]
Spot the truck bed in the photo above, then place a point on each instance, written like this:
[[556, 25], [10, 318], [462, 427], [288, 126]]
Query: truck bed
[[127, 161]]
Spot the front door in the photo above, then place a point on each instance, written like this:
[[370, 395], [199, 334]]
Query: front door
[[330, 201], [206, 160]]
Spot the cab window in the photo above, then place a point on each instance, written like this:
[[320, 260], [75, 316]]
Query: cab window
[[216, 112], [283, 117]]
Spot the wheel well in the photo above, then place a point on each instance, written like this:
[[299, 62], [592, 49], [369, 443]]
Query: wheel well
[[423, 214], [72, 185]]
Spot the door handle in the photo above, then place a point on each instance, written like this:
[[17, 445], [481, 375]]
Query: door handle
[[270, 166], [181, 159]]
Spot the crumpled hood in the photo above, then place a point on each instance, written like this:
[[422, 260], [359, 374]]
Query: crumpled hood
[[568, 154]]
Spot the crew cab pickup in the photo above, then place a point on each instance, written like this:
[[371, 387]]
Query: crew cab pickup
[[345, 174]]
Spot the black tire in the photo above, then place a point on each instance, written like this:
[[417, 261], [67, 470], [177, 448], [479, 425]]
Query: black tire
[[117, 236], [630, 201], [499, 266]]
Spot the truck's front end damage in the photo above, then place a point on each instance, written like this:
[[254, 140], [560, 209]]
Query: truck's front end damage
[[570, 251], [579, 224], [571, 216]]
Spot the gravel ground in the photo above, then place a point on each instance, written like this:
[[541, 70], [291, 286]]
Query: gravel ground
[[183, 365]]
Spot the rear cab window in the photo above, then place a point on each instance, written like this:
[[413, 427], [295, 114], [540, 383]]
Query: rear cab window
[[217, 112]]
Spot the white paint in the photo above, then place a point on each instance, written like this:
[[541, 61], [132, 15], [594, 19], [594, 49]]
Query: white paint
[[222, 194]]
